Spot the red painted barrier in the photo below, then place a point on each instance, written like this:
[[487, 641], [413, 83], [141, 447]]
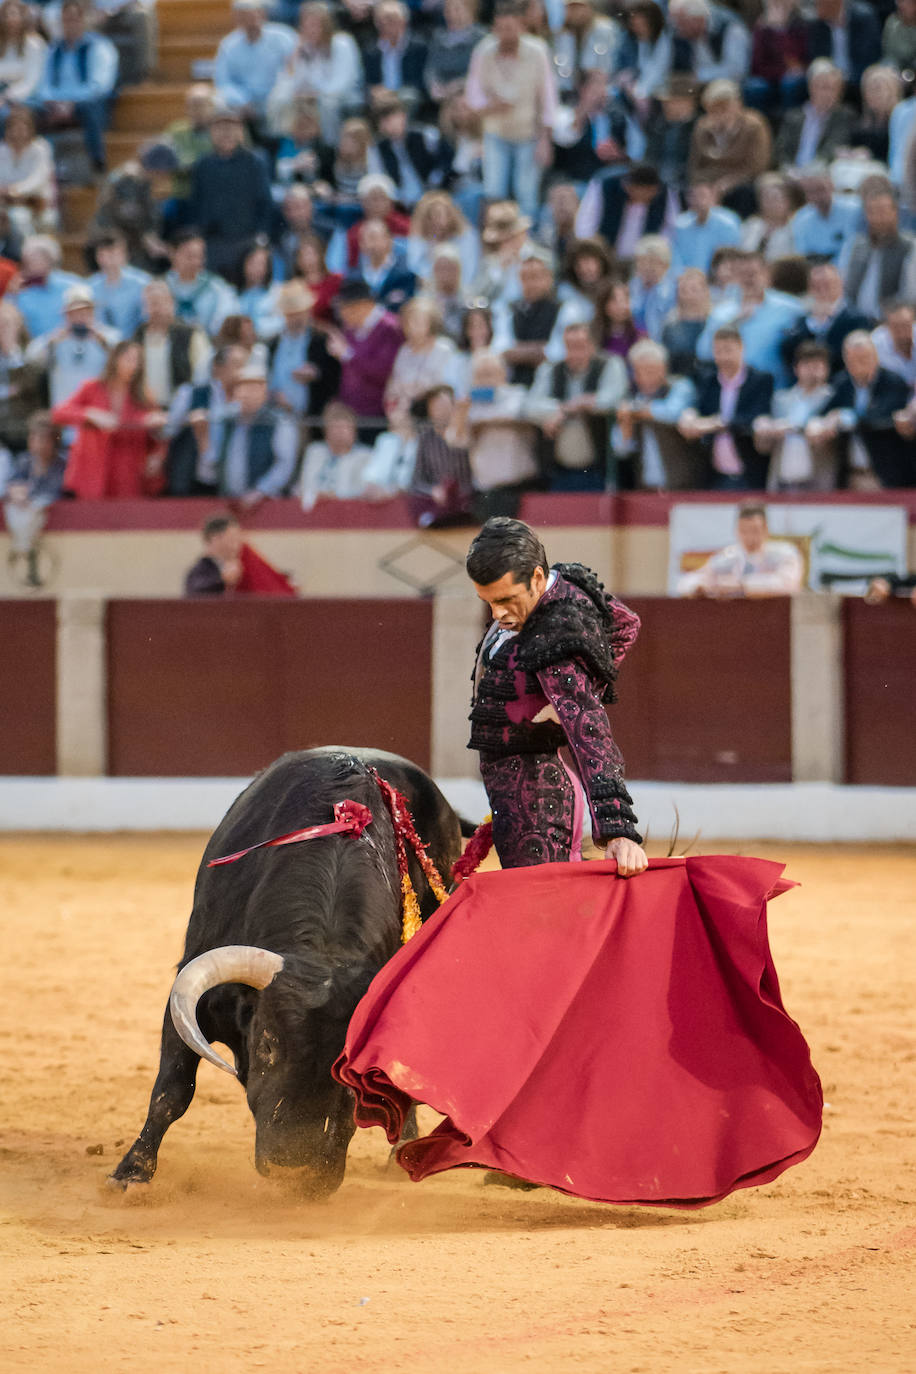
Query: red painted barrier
[[28, 687], [880, 692]]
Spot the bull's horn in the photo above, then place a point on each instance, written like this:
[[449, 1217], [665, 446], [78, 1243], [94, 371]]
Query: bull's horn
[[228, 964]]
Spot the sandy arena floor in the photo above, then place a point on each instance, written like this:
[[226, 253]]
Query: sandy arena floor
[[213, 1268]]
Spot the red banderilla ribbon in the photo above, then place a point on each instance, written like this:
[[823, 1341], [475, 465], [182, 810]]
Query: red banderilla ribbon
[[350, 817]]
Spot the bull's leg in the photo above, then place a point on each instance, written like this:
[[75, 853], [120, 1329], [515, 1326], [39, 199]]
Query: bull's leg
[[170, 1099], [409, 1131]]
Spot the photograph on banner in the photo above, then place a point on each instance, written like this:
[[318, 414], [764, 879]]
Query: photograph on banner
[[843, 547]]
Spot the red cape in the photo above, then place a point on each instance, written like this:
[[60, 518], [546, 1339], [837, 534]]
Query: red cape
[[258, 576], [620, 1040]]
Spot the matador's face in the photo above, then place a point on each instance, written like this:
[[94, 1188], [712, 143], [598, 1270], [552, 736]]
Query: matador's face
[[510, 601]]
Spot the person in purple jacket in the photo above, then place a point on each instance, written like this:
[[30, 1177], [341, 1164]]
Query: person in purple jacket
[[366, 347], [545, 669]]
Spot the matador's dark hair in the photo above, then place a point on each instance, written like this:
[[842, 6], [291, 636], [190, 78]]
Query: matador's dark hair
[[505, 546]]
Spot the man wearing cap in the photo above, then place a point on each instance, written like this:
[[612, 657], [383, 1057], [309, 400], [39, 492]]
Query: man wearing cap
[[366, 348], [303, 375], [77, 351], [78, 82], [250, 58], [505, 236], [230, 193], [257, 447]]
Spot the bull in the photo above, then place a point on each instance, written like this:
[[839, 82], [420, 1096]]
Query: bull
[[281, 946]]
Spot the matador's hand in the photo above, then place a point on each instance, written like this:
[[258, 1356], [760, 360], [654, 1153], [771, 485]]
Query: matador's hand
[[631, 857]]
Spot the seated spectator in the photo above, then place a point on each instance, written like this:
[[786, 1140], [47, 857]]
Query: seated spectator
[[645, 54], [614, 326], [34, 481], [591, 136], [414, 159], [624, 208], [22, 384], [425, 359], [847, 31], [769, 232], [230, 193], [450, 48], [22, 55], [754, 565], [297, 223], [303, 375], [505, 239], [309, 265], [526, 325], [78, 82], [230, 566], [189, 138], [324, 64], [376, 193], [40, 297], [588, 267], [731, 144], [240, 330], [587, 42], [249, 60], [857, 418], [703, 228], [571, 402], [257, 445], [382, 268], [444, 289], [133, 202], [795, 466], [895, 340], [131, 26], [502, 444], [476, 336], [827, 222], [351, 165], [779, 56], [763, 317], [255, 292], [828, 321], [335, 466], [557, 231], [709, 42], [652, 286], [668, 139], [200, 297], [462, 129], [117, 450], [725, 274], [389, 471], [117, 289], [396, 63], [822, 125], [441, 486], [730, 397], [77, 351], [303, 158], [685, 324], [174, 353], [881, 263], [366, 348], [646, 426], [195, 421], [27, 184], [898, 37], [881, 91]]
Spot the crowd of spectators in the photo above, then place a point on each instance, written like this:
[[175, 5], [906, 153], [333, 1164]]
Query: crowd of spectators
[[460, 252]]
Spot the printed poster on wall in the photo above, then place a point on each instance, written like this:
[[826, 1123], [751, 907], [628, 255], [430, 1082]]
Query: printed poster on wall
[[842, 546]]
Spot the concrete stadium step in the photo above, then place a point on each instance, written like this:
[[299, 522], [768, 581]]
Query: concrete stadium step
[[73, 257], [213, 17], [77, 206], [178, 55], [120, 147], [147, 109]]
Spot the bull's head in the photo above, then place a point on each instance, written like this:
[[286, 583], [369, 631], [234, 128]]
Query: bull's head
[[296, 1029]]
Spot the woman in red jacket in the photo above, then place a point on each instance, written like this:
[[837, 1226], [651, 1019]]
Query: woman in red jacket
[[117, 451]]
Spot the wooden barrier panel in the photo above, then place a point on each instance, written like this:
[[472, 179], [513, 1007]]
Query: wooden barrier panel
[[220, 688], [28, 688], [879, 654], [705, 694]]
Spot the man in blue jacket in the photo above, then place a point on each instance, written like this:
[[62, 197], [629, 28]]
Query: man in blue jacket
[[78, 82]]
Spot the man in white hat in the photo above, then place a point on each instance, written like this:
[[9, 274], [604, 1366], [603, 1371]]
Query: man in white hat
[[303, 375], [250, 58], [258, 447], [77, 351]]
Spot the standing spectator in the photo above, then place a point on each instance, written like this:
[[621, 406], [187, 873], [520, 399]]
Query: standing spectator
[[117, 450], [708, 41], [200, 297], [827, 222], [249, 60], [730, 398], [502, 438], [704, 227], [385, 271], [529, 322], [437, 222], [450, 50], [35, 481], [303, 375], [511, 83], [895, 340], [27, 183], [779, 56], [770, 231], [425, 359], [614, 326], [117, 289], [230, 193], [22, 55], [687, 321], [898, 38], [257, 446], [414, 159], [571, 402], [396, 63], [828, 320], [309, 264], [325, 64], [189, 138], [78, 82], [624, 208], [858, 416], [366, 349], [731, 144], [336, 465], [652, 286], [762, 316], [880, 264], [753, 566], [174, 353], [795, 465], [647, 422], [231, 566], [848, 32], [819, 127], [668, 139], [77, 351]]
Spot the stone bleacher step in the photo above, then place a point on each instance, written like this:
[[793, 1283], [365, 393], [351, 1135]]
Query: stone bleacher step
[[197, 17], [73, 256], [177, 56], [148, 108], [77, 206]]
